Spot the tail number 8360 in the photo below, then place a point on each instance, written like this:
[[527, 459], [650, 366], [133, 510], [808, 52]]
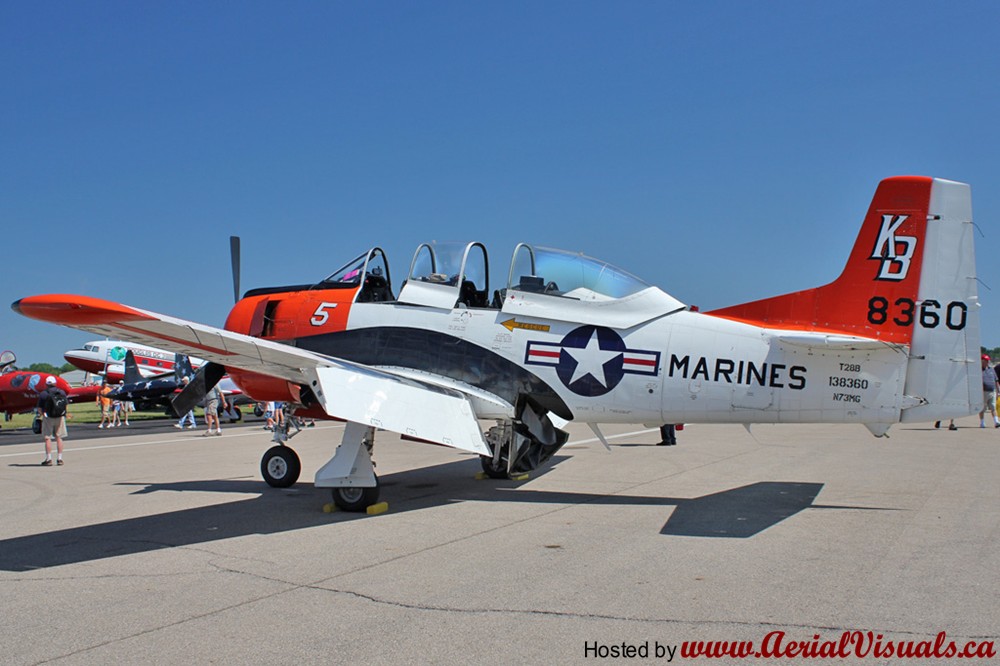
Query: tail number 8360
[[904, 312]]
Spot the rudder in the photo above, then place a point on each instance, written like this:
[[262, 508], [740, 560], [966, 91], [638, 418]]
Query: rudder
[[944, 370]]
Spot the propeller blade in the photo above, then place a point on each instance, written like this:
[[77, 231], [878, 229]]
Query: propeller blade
[[234, 253], [194, 393]]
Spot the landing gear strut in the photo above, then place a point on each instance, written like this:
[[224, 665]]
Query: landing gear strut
[[499, 438], [521, 445], [351, 472]]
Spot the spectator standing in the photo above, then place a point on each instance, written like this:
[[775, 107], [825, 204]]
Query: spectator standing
[[989, 394], [189, 417], [213, 400], [105, 403], [52, 405], [269, 415], [116, 411]]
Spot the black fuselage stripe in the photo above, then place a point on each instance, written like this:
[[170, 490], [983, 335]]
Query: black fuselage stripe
[[441, 354]]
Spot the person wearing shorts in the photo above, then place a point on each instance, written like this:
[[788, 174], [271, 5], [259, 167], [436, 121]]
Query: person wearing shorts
[[212, 402], [52, 426]]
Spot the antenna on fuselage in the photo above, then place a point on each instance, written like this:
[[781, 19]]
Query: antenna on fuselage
[[234, 253]]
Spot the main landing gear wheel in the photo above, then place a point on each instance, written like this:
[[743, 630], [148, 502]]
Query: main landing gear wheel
[[354, 498], [494, 470], [280, 467]]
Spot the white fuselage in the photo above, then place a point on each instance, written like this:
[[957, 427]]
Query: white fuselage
[[679, 367], [106, 357]]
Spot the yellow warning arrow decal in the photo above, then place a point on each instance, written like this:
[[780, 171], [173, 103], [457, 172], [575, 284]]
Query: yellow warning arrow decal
[[511, 324]]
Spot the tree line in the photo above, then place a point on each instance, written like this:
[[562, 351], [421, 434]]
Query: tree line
[[49, 369]]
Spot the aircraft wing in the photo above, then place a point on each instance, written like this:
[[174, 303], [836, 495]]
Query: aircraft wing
[[347, 391]]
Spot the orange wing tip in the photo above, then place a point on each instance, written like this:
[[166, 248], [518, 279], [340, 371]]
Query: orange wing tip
[[70, 310]]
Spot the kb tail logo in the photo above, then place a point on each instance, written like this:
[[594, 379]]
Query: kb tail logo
[[894, 264]]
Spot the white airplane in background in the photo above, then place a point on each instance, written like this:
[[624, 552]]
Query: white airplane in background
[[107, 357], [894, 339]]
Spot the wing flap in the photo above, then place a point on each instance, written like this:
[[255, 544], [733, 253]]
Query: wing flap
[[384, 401]]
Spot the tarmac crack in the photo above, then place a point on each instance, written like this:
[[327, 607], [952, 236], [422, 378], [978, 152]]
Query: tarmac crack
[[534, 612]]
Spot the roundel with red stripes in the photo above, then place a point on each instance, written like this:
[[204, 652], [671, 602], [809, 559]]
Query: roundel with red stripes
[[592, 360]]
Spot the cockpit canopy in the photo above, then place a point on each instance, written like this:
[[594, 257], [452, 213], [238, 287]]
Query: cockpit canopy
[[370, 270], [542, 282], [570, 275]]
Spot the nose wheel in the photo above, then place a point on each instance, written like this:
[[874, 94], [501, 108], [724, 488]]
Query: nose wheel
[[280, 467]]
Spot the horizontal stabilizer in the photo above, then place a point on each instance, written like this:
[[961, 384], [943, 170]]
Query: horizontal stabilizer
[[833, 342]]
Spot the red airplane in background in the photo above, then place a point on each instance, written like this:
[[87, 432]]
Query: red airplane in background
[[19, 389]]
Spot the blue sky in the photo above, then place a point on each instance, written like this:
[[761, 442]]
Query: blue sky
[[725, 151]]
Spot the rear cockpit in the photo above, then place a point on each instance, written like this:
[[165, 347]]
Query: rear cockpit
[[545, 270]]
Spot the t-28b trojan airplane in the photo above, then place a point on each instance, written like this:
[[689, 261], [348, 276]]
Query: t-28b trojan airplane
[[894, 339]]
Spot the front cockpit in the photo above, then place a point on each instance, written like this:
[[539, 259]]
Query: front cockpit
[[370, 270], [7, 361]]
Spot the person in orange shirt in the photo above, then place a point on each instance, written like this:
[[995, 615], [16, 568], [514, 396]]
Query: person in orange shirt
[[105, 402]]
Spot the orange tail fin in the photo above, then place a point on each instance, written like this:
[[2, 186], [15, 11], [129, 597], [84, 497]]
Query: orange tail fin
[[876, 294], [910, 281]]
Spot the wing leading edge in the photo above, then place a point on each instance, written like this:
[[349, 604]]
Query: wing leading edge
[[347, 391]]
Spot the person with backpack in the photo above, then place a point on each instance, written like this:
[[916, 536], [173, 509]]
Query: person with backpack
[[52, 404]]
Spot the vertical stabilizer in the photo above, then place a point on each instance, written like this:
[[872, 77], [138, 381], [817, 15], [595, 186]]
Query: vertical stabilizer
[[182, 367], [132, 374], [910, 281]]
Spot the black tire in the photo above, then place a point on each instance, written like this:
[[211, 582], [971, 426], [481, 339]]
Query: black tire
[[494, 472], [36, 426], [280, 467], [354, 498], [257, 411], [235, 411]]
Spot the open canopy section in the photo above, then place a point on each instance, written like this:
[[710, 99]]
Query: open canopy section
[[370, 270], [448, 275]]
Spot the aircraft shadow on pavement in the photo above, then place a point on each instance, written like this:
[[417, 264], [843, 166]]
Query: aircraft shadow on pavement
[[737, 513]]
